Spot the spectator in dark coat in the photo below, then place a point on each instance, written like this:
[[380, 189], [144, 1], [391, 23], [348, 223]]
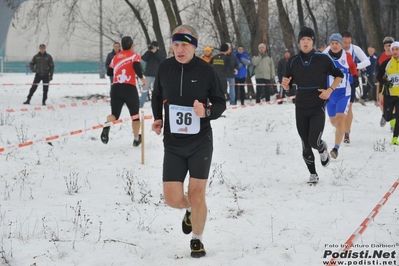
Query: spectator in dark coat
[[110, 56], [153, 57], [221, 64], [370, 90], [42, 64], [281, 71], [231, 72]]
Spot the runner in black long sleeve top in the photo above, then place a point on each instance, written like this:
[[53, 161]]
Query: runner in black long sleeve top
[[185, 86], [182, 84], [310, 71]]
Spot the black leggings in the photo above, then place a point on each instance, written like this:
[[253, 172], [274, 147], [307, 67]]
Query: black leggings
[[121, 94], [240, 89], [263, 88], [310, 125], [391, 103]]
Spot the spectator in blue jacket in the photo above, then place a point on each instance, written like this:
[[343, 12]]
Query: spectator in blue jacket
[[243, 62]]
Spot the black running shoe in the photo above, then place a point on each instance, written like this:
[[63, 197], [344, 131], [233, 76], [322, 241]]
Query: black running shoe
[[334, 153], [136, 143], [104, 135], [186, 224], [197, 248]]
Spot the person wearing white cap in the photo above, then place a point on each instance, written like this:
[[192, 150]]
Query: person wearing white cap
[[388, 76], [338, 103]]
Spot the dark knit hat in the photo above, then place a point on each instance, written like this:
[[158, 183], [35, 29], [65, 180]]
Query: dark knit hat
[[306, 32], [154, 43], [224, 47]]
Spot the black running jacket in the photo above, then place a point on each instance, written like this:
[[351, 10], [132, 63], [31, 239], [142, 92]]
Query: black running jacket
[[182, 84]]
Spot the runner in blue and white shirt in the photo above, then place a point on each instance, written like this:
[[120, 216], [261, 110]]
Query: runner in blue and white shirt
[[339, 101], [362, 61]]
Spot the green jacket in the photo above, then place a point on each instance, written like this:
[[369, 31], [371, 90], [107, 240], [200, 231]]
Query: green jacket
[[264, 67]]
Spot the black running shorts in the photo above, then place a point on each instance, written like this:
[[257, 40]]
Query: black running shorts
[[121, 94], [195, 158]]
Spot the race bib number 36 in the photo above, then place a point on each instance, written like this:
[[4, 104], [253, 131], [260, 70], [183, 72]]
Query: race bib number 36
[[183, 120]]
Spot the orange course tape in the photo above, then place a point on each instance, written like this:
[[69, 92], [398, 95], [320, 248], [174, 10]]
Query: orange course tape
[[363, 226], [76, 132], [52, 107]]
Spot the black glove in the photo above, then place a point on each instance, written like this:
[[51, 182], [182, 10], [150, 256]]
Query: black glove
[[50, 77], [355, 81]]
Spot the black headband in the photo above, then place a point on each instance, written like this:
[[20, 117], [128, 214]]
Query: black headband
[[185, 37]]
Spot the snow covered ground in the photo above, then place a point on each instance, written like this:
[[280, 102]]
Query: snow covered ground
[[67, 204]]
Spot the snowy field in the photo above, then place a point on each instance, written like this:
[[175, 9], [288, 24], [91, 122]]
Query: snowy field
[[68, 204]]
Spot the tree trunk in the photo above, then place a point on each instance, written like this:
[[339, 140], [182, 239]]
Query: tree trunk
[[359, 31], [220, 20], [170, 15], [177, 12], [248, 6], [262, 33], [394, 15], [300, 14], [235, 25], [136, 12], [156, 26], [342, 9], [372, 18], [286, 27], [314, 21]]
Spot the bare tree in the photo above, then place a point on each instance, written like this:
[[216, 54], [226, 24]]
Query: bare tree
[[300, 13], [314, 21], [137, 14], [286, 27], [156, 26], [258, 21], [342, 9], [172, 12], [220, 20], [235, 24], [372, 17], [359, 33], [392, 18]]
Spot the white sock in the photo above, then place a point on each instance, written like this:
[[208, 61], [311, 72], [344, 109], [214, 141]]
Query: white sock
[[199, 237], [189, 209], [136, 138]]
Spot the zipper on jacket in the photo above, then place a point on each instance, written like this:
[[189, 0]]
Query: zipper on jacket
[[181, 81]]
